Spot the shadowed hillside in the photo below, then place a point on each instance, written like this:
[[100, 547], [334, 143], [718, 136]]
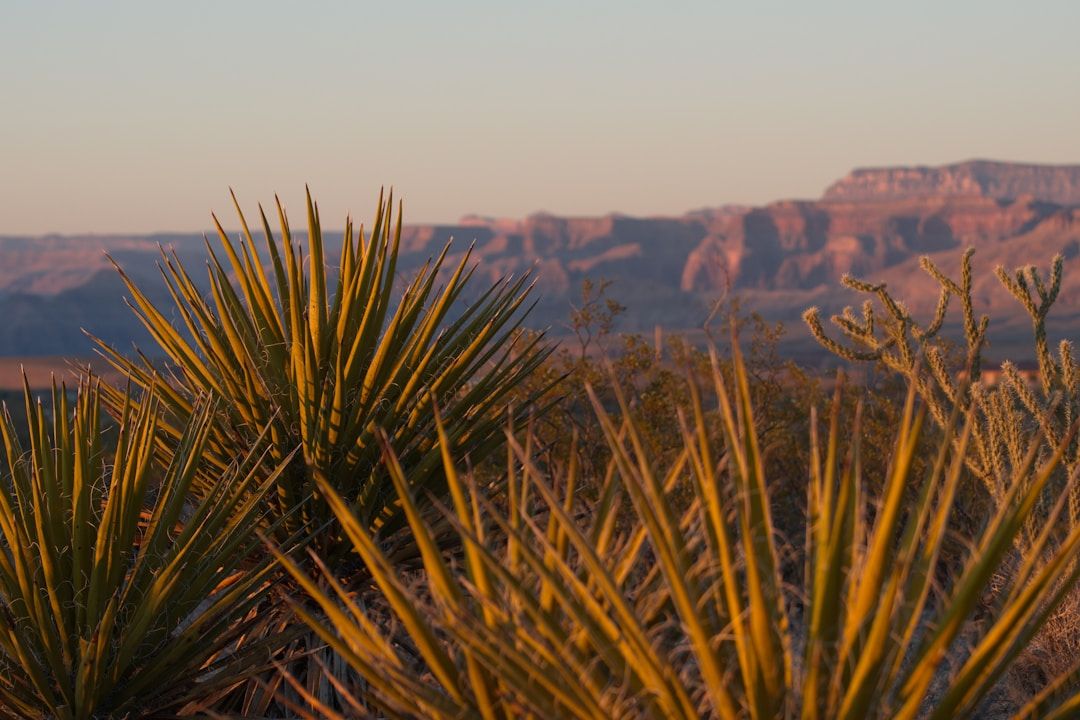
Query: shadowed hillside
[[874, 223]]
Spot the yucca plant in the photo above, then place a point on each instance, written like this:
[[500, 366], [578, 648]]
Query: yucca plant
[[325, 361], [563, 610], [119, 596]]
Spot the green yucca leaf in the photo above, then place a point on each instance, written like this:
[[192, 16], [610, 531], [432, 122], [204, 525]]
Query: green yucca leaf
[[119, 595], [555, 608], [323, 363]]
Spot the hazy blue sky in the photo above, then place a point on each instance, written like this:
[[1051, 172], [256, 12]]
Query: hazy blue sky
[[137, 116]]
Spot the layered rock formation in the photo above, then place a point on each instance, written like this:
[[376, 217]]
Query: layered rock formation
[[667, 270], [985, 178]]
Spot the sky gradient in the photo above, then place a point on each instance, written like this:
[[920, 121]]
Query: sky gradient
[[136, 117]]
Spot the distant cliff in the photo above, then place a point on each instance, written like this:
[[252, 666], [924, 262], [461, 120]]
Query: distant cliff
[[1058, 184], [666, 270]]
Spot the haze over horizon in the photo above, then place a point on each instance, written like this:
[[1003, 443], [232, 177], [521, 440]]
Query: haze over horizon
[[505, 110]]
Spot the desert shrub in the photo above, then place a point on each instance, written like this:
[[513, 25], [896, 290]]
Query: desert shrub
[[1011, 413], [325, 363], [652, 372], [120, 596], [556, 611]]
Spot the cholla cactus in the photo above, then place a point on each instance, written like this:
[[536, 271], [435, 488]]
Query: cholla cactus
[[1011, 413]]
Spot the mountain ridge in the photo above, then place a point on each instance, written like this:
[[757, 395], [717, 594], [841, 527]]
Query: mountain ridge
[[668, 270], [1059, 184]]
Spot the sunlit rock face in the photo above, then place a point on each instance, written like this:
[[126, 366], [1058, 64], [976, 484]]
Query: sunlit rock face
[[1058, 184], [780, 257]]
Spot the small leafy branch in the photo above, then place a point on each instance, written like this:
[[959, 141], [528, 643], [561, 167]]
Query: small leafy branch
[[1011, 412], [596, 316]]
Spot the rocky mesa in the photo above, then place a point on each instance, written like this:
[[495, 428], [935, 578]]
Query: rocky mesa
[[1058, 184], [667, 270]]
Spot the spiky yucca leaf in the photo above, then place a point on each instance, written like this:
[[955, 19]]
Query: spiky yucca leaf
[[684, 613], [325, 361], [119, 597]]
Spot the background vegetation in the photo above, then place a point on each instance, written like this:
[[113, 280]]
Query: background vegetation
[[349, 494]]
